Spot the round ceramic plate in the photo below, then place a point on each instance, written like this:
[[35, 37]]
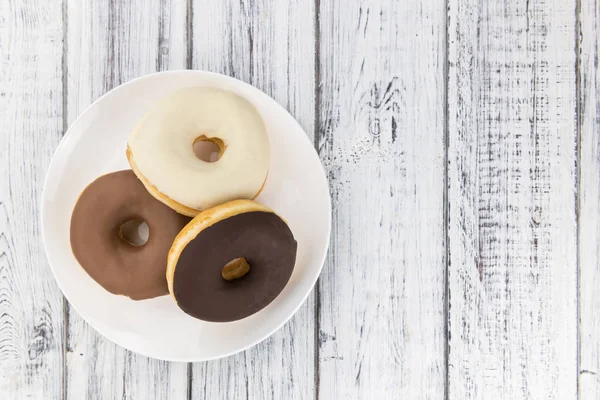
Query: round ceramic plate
[[95, 144]]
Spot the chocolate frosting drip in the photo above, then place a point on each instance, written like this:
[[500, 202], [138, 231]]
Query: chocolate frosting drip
[[263, 239], [121, 268]]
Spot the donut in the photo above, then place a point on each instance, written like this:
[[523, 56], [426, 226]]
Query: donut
[[255, 246], [160, 149], [98, 244]]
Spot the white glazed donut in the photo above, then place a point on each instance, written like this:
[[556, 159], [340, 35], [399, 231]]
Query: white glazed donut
[[160, 150]]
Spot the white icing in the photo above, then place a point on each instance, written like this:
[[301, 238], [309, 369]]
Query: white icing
[[162, 147]]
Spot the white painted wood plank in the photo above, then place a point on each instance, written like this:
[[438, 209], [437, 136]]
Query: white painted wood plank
[[31, 305], [512, 197], [381, 137], [111, 42], [270, 45], [589, 206]]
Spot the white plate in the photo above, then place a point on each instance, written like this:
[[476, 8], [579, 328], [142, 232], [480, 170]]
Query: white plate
[[296, 188]]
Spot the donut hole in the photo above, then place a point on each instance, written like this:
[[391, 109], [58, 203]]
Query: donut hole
[[235, 269], [135, 232], [208, 149]]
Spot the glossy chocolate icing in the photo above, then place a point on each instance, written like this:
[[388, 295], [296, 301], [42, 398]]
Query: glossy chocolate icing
[[122, 268], [263, 239]]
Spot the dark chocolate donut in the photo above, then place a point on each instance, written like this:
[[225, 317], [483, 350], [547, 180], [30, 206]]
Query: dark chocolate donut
[[241, 229], [118, 266]]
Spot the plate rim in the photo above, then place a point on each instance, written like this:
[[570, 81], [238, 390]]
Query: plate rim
[[69, 133]]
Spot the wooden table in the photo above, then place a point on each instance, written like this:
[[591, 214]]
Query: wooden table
[[461, 139]]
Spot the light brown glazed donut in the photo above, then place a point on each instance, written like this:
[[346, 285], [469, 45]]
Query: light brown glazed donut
[[97, 243]]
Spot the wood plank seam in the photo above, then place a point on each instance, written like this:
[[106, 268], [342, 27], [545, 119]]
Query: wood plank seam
[[189, 33], [317, 133], [189, 36], [578, 127], [65, 124], [446, 202]]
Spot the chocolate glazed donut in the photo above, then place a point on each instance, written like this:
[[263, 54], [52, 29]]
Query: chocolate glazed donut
[[97, 242], [241, 230]]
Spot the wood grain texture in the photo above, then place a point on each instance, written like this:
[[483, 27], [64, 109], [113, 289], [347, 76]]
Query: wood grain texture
[[109, 43], [512, 197], [367, 81], [381, 138], [271, 46], [31, 306], [589, 200]]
